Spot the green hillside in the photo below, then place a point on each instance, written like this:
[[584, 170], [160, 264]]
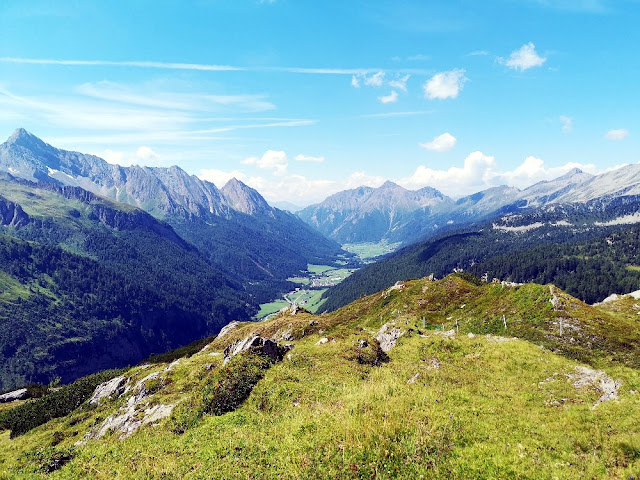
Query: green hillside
[[88, 284], [590, 264], [473, 401]]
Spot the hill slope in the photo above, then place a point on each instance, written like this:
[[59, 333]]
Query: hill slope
[[88, 284], [588, 249], [257, 244], [437, 404]]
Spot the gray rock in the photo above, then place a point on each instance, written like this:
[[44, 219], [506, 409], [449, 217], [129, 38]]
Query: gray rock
[[588, 377], [257, 344], [13, 396], [387, 337], [228, 328], [114, 387], [322, 341]]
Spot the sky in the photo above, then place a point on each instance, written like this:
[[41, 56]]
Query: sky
[[301, 99]]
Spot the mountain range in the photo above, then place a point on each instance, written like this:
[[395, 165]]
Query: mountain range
[[103, 265], [234, 226], [392, 213]]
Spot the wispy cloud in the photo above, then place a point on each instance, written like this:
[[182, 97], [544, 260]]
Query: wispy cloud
[[400, 83], [204, 67], [617, 134], [586, 6], [391, 98], [396, 114], [567, 123], [309, 159]]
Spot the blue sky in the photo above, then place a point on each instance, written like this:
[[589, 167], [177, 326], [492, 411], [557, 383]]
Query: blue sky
[[301, 99]]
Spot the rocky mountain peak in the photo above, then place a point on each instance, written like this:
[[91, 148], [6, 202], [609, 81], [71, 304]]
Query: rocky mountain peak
[[243, 198], [23, 138]]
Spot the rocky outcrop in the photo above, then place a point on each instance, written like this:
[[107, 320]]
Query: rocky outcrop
[[11, 214], [111, 388], [387, 336], [585, 377], [13, 396], [228, 328], [259, 345]]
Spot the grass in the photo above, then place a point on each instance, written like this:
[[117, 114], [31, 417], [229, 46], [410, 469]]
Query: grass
[[370, 251], [308, 299], [318, 269], [634, 268], [300, 280], [475, 408], [11, 289], [271, 308]]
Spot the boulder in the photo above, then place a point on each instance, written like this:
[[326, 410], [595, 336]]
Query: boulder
[[228, 328], [259, 345], [13, 396], [387, 336], [114, 387]]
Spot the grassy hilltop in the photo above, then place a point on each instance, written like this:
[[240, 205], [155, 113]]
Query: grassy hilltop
[[472, 401]]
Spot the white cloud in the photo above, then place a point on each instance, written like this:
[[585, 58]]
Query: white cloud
[[478, 53], [567, 123], [219, 177], [400, 83], [375, 80], [445, 84], [480, 171], [304, 191], [441, 143], [524, 58], [308, 158], [147, 155], [391, 98], [355, 81], [616, 135], [275, 160], [115, 158]]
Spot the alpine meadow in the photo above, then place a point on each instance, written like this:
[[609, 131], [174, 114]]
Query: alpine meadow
[[276, 239]]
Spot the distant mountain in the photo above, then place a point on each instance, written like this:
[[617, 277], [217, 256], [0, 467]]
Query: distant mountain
[[288, 206], [234, 226], [88, 284], [589, 249], [394, 214], [370, 214]]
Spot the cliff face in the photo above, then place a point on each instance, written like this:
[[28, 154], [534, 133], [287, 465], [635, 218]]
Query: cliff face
[[11, 214]]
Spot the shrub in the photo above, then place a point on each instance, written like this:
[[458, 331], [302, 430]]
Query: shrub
[[57, 403]]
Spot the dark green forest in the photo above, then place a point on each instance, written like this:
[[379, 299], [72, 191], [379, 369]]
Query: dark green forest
[[589, 264]]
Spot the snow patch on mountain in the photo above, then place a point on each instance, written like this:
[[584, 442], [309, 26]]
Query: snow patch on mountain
[[518, 229], [624, 220]]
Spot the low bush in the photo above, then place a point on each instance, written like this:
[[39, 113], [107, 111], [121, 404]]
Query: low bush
[[56, 403]]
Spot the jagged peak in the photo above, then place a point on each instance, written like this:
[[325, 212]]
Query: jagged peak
[[389, 184], [22, 137], [573, 172], [243, 198]]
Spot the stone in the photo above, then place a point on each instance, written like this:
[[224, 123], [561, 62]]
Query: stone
[[387, 336], [228, 328], [259, 345], [413, 379], [111, 388], [322, 341], [588, 377], [20, 394]]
